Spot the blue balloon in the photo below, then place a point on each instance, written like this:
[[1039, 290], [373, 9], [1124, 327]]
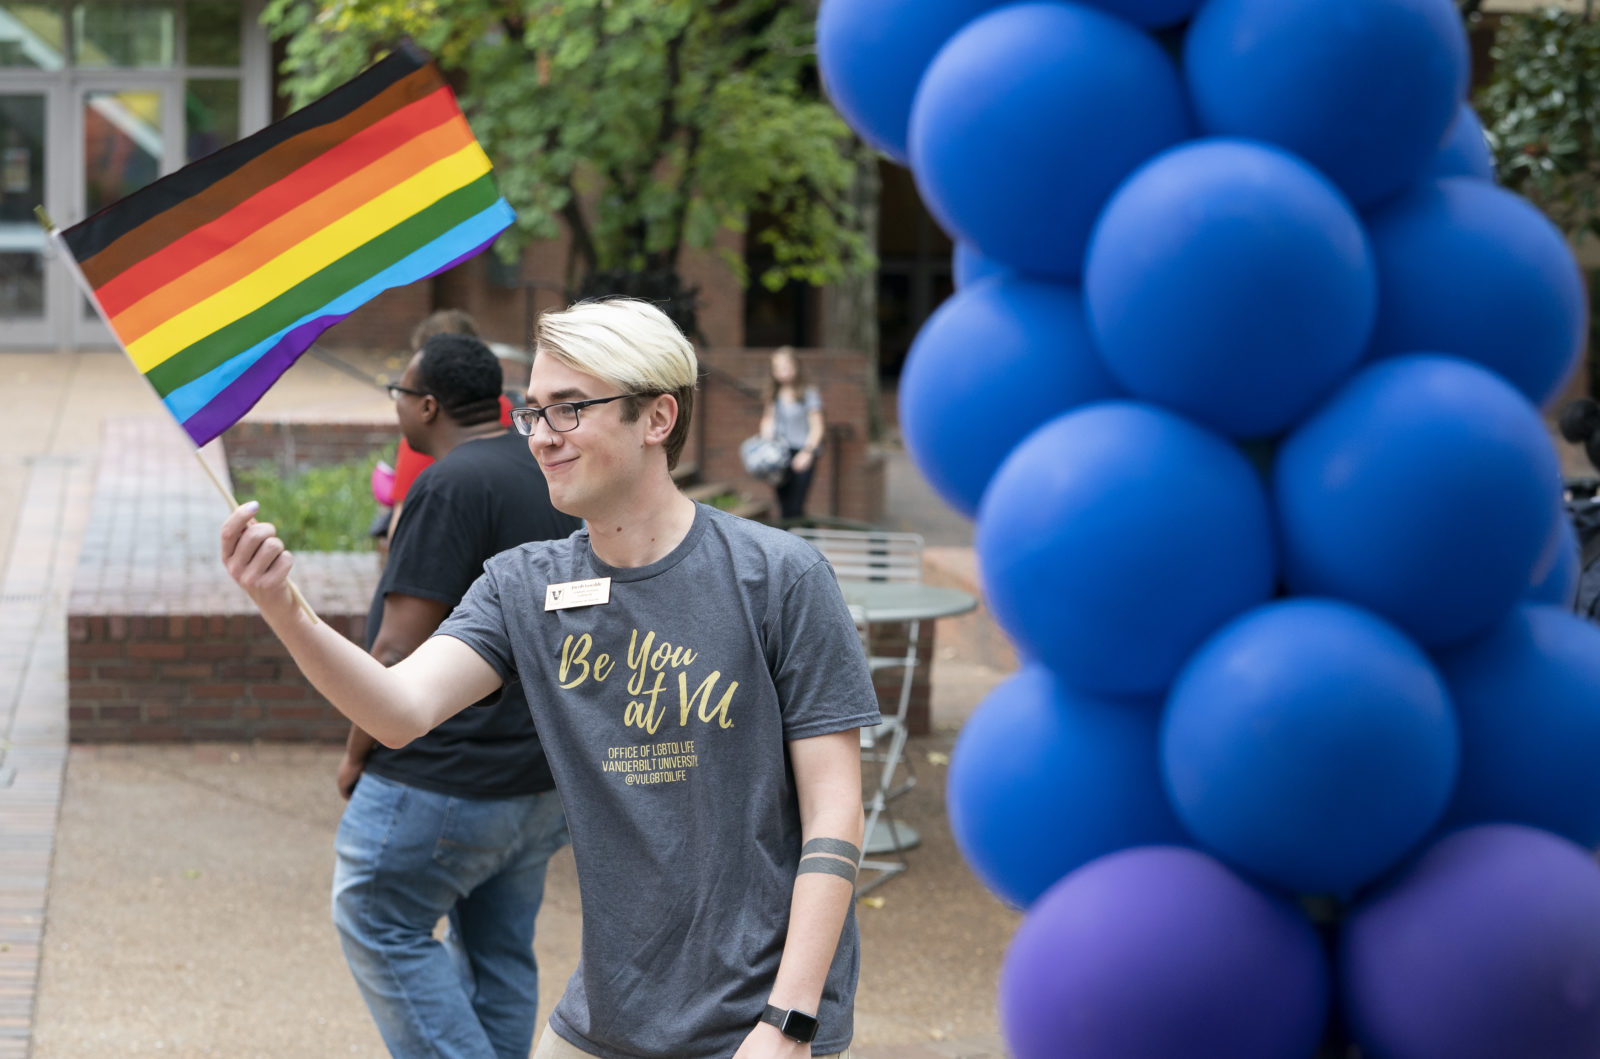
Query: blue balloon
[[1116, 538], [1044, 780], [1465, 151], [1151, 14], [969, 265], [1555, 578], [1487, 947], [1473, 270], [1310, 744], [872, 54], [1159, 952], [1231, 282], [1029, 118], [996, 360], [1362, 89], [1528, 699], [1425, 490]]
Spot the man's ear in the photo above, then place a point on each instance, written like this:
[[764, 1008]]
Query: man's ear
[[660, 417], [428, 408]]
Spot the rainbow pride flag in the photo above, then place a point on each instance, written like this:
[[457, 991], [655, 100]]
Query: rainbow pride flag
[[217, 277]]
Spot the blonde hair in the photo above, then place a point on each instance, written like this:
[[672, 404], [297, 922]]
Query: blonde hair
[[630, 343]]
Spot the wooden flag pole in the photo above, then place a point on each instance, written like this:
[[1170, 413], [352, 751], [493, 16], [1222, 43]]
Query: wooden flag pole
[[233, 504], [83, 284]]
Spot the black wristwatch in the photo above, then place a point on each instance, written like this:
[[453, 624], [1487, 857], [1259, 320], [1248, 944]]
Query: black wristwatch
[[795, 1025]]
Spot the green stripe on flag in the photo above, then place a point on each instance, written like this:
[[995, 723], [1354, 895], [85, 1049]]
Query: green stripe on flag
[[320, 288]]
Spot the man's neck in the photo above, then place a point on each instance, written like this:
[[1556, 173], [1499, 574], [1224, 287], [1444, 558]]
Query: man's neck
[[451, 435], [658, 523]]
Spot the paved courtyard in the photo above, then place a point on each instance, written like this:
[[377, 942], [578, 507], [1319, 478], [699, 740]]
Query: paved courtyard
[[173, 900]]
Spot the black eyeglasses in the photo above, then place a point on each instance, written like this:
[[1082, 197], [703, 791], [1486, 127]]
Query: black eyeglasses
[[395, 390], [561, 417]]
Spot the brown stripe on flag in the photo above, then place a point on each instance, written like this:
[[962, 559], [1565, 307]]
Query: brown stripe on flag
[[212, 202]]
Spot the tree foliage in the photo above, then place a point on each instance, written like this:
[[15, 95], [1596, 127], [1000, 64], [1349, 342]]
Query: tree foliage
[[1541, 110], [1542, 116], [645, 125]]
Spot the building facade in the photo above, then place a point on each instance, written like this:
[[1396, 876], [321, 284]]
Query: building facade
[[97, 99]]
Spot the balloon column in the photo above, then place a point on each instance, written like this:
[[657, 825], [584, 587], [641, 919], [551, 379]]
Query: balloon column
[[1239, 384]]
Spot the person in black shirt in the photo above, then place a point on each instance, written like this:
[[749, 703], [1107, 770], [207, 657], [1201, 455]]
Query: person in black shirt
[[461, 821]]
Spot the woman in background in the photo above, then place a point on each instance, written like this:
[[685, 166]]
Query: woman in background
[[792, 416]]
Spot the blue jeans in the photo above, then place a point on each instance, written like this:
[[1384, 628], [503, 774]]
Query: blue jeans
[[406, 857]]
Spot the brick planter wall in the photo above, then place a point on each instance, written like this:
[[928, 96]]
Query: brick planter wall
[[161, 645], [212, 671], [296, 446]]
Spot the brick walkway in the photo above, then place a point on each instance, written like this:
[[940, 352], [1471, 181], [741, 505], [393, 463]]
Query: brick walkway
[[33, 729]]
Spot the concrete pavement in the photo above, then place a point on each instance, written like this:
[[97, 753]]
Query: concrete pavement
[[177, 905]]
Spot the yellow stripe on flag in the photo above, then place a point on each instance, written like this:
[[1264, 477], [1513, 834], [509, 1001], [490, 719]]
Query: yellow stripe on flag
[[340, 237]]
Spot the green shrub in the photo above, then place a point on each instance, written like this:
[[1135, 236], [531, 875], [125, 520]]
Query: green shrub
[[323, 509]]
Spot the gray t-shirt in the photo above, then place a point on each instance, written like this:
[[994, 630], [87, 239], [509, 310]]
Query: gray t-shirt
[[792, 419], [664, 714]]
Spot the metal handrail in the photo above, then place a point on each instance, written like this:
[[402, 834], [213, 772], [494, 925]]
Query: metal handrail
[[711, 371]]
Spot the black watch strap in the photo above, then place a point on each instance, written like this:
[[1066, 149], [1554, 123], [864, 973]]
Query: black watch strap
[[795, 1025]]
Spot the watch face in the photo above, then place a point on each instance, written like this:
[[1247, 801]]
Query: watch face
[[800, 1026]]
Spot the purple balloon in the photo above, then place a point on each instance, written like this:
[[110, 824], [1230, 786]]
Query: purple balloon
[[1159, 952], [1528, 700], [1486, 947]]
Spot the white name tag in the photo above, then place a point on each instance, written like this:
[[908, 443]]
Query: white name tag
[[588, 593]]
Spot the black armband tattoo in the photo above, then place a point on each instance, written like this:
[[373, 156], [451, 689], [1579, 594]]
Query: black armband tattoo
[[838, 847], [827, 866]]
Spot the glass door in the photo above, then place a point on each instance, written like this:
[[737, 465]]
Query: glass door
[[97, 99], [26, 278], [130, 132]]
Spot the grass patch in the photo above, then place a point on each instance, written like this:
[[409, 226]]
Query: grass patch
[[323, 509]]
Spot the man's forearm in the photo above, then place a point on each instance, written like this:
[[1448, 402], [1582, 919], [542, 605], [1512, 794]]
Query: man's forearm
[[817, 913], [357, 684]]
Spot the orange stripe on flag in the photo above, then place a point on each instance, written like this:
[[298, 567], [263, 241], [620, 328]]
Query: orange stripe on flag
[[239, 260], [201, 244]]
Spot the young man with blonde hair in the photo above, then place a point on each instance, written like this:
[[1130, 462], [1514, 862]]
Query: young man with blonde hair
[[697, 684]]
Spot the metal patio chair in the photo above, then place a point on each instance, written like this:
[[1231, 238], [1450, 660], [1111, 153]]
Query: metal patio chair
[[873, 555]]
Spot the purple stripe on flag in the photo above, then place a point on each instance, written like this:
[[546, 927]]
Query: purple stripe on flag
[[241, 395]]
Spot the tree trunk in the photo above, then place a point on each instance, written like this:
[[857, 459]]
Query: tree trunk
[[850, 308]]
